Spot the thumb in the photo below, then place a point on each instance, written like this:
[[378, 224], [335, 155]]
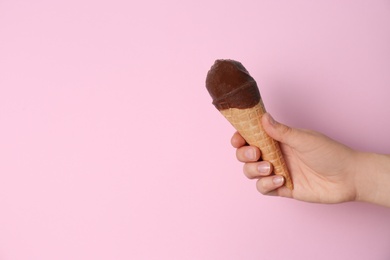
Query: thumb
[[280, 132]]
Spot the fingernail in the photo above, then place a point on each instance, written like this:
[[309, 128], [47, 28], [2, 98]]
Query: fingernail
[[278, 180], [250, 154], [271, 120], [263, 168]]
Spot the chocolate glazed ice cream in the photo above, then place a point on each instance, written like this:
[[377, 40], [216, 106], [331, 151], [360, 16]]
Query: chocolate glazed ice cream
[[231, 86], [236, 95]]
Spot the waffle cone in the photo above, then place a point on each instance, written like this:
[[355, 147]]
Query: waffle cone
[[248, 123]]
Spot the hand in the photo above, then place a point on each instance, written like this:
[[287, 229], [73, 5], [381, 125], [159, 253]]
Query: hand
[[322, 169]]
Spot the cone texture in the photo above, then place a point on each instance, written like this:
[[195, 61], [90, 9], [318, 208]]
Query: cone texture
[[248, 123]]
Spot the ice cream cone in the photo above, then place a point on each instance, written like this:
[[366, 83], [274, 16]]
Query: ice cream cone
[[248, 123], [236, 95]]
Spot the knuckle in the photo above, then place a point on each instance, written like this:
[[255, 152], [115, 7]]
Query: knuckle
[[249, 172], [285, 130], [240, 155], [262, 186]]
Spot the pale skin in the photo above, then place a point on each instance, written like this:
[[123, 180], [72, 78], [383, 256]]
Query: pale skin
[[323, 170]]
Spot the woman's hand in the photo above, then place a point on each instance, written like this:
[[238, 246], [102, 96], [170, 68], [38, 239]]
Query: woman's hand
[[322, 169]]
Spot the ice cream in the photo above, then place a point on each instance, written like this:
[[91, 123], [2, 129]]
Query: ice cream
[[231, 86], [236, 95]]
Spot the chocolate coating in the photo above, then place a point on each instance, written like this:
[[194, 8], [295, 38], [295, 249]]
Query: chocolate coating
[[231, 86]]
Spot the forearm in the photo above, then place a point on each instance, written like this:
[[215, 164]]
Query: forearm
[[373, 178]]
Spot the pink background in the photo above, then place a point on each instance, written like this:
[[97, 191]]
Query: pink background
[[110, 147]]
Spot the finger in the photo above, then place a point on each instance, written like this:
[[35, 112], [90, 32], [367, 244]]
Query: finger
[[248, 154], [237, 140], [257, 169], [280, 132], [268, 185]]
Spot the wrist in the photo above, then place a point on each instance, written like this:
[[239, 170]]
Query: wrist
[[372, 179]]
